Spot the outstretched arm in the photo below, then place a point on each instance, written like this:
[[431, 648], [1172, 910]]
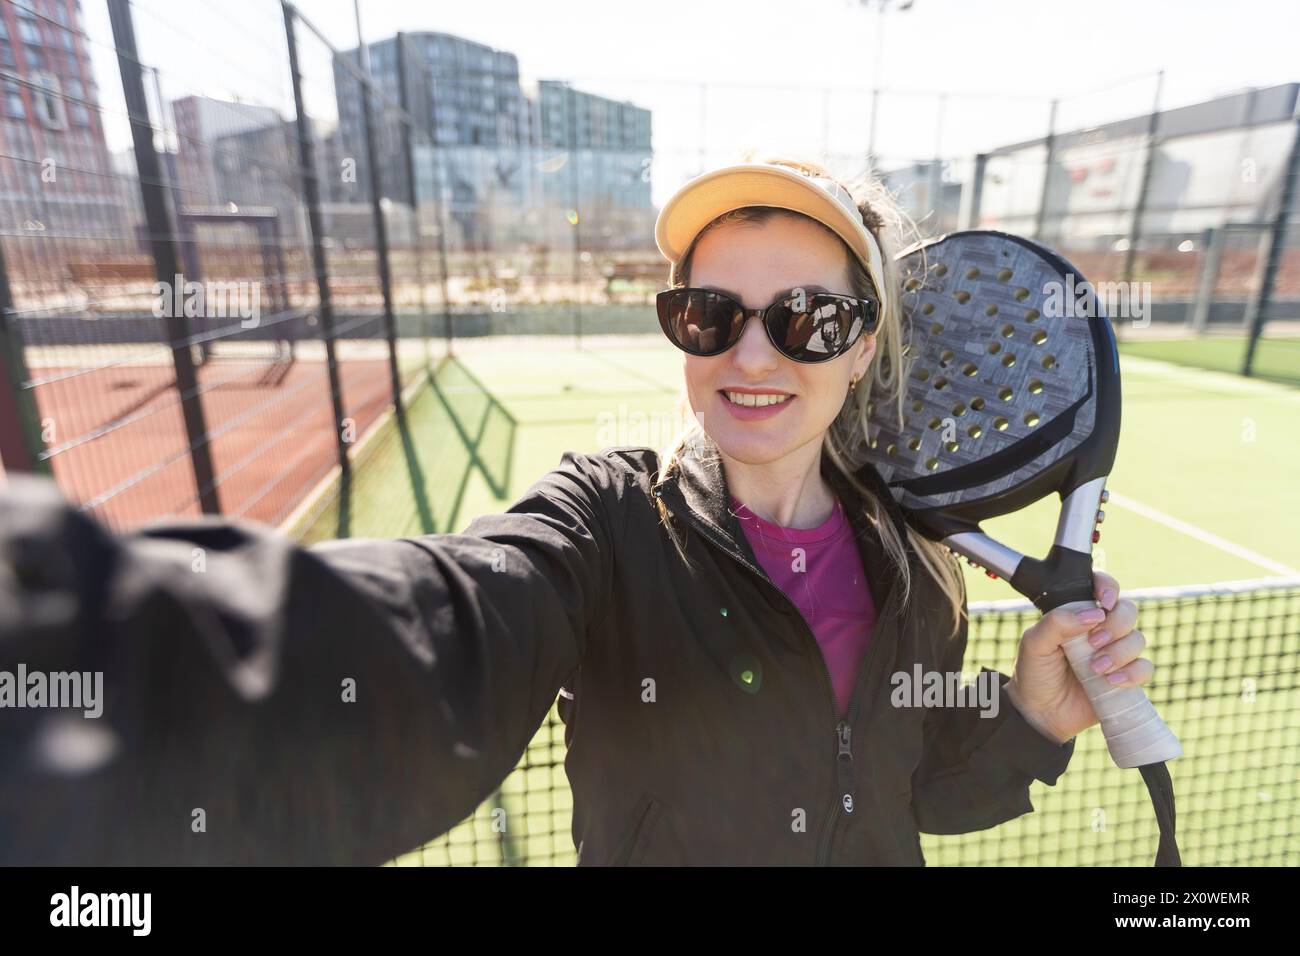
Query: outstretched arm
[[268, 703]]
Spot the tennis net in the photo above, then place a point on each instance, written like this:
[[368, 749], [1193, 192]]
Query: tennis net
[[1227, 683]]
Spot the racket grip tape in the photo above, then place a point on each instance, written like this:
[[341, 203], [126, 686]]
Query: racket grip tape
[[1135, 734]]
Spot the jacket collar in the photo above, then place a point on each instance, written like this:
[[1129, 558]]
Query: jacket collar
[[701, 485]]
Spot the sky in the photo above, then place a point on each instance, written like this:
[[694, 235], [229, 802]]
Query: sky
[[957, 76]]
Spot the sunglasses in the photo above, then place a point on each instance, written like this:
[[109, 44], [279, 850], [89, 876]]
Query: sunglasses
[[803, 326]]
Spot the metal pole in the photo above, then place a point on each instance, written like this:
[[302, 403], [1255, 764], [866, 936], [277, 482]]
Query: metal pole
[[311, 197], [438, 207], [1139, 208], [875, 80], [185, 235], [1214, 240], [976, 192], [577, 220], [936, 170], [1276, 247], [21, 444], [1262, 239], [1048, 160], [408, 146], [162, 239], [377, 209]]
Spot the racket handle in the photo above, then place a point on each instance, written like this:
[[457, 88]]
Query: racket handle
[[1134, 732]]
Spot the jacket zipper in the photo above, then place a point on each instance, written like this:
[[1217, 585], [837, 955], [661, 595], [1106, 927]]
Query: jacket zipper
[[844, 800], [844, 774]]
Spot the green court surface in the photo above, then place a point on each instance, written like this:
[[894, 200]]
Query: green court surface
[[1276, 359], [1202, 492]]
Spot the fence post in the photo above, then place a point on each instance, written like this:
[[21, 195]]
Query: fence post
[[162, 239], [21, 444], [1045, 196], [408, 146], [577, 218], [311, 197], [1148, 161], [1276, 249], [970, 217], [1215, 239], [377, 210], [439, 209]]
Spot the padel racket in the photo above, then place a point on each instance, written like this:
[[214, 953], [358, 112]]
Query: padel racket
[[1013, 393]]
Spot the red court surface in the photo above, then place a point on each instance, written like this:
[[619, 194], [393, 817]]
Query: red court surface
[[119, 442]]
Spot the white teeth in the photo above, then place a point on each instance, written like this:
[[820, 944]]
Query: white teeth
[[758, 401]]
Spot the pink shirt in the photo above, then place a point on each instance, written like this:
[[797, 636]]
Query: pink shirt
[[820, 570]]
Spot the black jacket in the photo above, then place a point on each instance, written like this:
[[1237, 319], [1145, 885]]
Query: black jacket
[[699, 714]]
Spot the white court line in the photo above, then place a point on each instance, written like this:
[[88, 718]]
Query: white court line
[[1199, 378], [1200, 534]]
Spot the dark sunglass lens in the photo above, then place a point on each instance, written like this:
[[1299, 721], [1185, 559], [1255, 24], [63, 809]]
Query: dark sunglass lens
[[819, 333], [855, 316], [791, 330], [700, 322]]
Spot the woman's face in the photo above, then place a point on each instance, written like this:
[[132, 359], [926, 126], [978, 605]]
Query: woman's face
[[755, 263]]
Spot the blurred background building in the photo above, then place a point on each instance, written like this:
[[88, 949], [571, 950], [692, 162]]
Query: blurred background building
[[508, 160]]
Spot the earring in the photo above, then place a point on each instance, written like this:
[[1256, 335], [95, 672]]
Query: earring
[[853, 383]]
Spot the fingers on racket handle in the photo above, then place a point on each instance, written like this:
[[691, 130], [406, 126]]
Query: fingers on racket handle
[[1134, 732]]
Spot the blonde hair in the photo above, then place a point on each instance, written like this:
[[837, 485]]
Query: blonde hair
[[881, 388]]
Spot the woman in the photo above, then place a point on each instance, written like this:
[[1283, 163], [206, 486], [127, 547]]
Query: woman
[[726, 623]]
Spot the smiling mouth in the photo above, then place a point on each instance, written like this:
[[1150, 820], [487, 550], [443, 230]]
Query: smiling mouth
[[750, 400]]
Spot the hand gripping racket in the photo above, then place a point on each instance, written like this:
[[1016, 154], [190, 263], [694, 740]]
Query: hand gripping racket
[[1012, 393]]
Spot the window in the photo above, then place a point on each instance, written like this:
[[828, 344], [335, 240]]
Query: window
[[14, 101], [48, 101], [28, 31]]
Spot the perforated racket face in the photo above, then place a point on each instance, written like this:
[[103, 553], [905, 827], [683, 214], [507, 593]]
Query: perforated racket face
[[1011, 393]]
